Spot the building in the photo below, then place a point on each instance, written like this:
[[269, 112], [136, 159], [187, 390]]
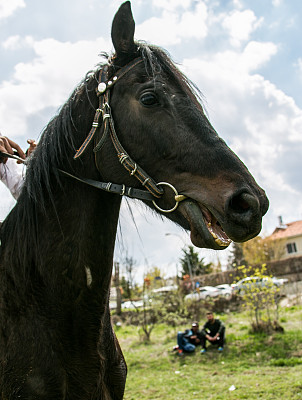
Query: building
[[287, 240]]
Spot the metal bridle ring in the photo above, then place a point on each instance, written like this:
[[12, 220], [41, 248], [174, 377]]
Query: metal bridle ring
[[176, 201]]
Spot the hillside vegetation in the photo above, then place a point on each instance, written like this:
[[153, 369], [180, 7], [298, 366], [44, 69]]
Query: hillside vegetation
[[252, 366]]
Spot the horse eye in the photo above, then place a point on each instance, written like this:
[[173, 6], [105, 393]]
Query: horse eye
[[148, 99]]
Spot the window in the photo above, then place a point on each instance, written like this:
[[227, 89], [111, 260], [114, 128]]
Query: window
[[291, 248]]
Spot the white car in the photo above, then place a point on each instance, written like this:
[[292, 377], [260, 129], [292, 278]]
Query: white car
[[204, 293], [132, 304], [127, 304], [225, 290], [279, 281], [266, 281]]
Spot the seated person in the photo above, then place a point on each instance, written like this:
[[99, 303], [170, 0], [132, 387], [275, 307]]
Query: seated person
[[11, 174], [213, 331], [189, 339]]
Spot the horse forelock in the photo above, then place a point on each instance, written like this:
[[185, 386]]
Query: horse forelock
[[158, 61]]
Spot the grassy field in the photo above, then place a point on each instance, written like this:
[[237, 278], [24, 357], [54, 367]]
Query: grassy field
[[258, 366]]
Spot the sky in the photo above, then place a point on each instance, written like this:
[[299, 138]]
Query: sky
[[244, 55]]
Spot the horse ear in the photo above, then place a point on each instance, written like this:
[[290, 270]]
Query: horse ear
[[122, 31]]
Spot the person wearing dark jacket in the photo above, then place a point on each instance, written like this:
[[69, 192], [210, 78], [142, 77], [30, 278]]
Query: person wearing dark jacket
[[213, 331], [189, 339]]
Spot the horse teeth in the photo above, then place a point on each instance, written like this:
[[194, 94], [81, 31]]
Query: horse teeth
[[214, 235], [222, 242]]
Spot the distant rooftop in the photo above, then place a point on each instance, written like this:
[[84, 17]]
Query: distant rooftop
[[287, 230]]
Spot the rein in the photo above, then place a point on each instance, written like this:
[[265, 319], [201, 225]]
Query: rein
[[14, 156], [103, 118]]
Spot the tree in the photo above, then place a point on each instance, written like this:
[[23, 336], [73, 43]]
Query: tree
[[155, 277], [254, 252], [258, 250], [118, 288], [124, 283], [128, 283], [192, 265], [216, 266], [158, 307]]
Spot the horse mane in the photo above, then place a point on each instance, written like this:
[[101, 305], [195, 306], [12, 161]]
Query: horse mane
[[20, 231]]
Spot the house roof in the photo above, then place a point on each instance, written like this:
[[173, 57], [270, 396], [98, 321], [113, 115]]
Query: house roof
[[287, 230]]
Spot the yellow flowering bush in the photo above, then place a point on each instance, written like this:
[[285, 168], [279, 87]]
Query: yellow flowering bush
[[259, 295]]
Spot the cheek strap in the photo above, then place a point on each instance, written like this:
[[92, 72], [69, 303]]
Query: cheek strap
[[103, 118]]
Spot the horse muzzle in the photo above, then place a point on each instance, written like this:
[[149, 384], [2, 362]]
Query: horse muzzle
[[240, 221]]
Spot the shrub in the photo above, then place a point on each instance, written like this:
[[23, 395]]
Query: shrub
[[260, 297]]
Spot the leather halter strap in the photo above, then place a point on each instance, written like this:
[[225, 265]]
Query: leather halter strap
[[154, 190], [104, 111], [126, 161], [113, 188], [103, 86]]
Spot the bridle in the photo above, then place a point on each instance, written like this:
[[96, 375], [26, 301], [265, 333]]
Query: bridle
[[103, 118], [14, 156]]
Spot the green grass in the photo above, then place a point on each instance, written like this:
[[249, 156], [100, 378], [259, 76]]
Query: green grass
[[259, 366]]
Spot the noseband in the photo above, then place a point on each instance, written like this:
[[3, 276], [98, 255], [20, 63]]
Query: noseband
[[103, 118]]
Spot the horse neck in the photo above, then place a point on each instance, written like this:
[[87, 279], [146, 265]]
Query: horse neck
[[70, 241], [86, 228]]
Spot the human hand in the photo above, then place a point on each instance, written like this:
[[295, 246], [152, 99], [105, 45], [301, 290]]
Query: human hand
[[32, 146], [8, 146]]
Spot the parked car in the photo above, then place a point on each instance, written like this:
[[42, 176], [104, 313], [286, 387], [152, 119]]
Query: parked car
[[265, 281], [225, 290], [127, 304], [132, 304], [204, 293], [279, 281]]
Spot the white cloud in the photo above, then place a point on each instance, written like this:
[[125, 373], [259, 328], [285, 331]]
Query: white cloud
[[240, 25], [298, 66], [257, 54], [237, 4], [12, 42], [233, 66], [260, 122], [47, 80], [277, 3], [171, 5], [8, 7], [16, 42], [171, 27]]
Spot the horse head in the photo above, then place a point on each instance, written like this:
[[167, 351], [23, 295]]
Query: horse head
[[159, 120]]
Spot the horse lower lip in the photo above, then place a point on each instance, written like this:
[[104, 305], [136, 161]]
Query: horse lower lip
[[203, 233]]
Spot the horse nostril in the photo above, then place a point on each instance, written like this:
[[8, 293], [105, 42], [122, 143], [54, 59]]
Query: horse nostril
[[243, 203]]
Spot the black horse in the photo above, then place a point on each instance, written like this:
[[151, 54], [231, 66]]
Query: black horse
[[56, 339]]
